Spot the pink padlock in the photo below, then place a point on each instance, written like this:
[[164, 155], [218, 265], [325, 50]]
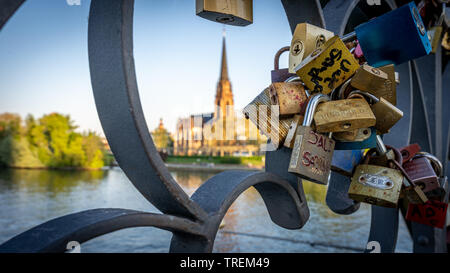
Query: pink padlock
[[358, 51]]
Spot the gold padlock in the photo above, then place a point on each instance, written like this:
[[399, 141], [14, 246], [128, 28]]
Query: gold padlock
[[434, 35], [356, 135], [261, 112], [305, 40], [376, 185], [327, 67], [231, 12], [343, 115], [375, 81], [386, 114], [446, 40], [290, 96], [390, 93]]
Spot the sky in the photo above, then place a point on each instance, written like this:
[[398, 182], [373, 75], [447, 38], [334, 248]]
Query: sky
[[44, 60]]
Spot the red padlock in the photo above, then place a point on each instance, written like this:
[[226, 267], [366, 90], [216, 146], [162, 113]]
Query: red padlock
[[409, 151], [432, 213]]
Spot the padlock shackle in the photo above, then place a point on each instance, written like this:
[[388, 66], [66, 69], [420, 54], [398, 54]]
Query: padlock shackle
[[365, 94], [311, 108], [381, 148], [342, 88], [349, 37], [437, 164], [276, 61]]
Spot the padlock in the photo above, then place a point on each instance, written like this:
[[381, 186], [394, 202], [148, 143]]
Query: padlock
[[231, 12], [446, 40], [412, 191], [259, 111], [390, 157], [375, 81], [343, 115], [297, 121], [409, 151], [386, 114], [435, 32], [433, 213], [356, 135], [366, 142], [305, 40], [394, 37], [327, 67], [312, 153], [277, 74], [376, 185], [290, 96], [422, 172]]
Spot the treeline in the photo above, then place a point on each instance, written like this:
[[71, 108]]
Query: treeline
[[48, 142]]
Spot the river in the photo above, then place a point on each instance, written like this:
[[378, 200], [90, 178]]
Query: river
[[30, 197]]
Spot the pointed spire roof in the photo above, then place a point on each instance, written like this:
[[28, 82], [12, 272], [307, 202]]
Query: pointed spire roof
[[224, 66]]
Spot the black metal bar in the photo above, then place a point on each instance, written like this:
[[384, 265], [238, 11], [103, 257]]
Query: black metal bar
[[113, 77], [8, 8], [54, 235], [281, 200]]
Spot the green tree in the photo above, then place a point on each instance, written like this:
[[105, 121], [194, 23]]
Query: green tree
[[14, 148], [161, 137], [94, 150], [50, 141]]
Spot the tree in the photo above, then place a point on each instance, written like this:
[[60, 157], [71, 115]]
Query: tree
[[161, 137], [50, 141]]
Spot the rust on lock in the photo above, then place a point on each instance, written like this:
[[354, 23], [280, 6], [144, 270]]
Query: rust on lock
[[290, 96], [376, 185]]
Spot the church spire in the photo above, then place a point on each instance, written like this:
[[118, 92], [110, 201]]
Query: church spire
[[224, 67]]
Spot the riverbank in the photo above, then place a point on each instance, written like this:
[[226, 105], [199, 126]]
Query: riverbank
[[211, 167]]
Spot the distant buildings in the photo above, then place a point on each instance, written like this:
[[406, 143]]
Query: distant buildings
[[223, 132]]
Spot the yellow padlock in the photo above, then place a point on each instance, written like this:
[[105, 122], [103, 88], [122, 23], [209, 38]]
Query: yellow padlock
[[305, 40], [327, 67]]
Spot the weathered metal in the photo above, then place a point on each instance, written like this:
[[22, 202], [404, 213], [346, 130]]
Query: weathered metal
[[194, 221]]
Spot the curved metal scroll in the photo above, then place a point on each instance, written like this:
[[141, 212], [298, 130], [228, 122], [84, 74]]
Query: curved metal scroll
[[54, 235], [113, 77], [282, 202]]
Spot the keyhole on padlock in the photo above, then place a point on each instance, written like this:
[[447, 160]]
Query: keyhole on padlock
[[346, 125], [405, 154], [320, 40]]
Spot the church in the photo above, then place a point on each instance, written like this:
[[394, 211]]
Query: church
[[223, 132]]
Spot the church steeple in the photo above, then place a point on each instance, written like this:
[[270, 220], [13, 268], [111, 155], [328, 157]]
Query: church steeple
[[224, 94], [224, 67]]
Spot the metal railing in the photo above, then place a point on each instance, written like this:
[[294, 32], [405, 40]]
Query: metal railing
[[194, 221]]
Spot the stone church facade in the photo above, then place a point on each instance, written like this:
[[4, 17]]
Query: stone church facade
[[221, 133]]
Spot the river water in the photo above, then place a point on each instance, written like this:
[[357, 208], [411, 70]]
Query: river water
[[30, 197]]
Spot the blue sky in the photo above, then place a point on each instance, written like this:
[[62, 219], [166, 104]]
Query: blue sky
[[44, 62]]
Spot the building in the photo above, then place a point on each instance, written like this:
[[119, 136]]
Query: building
[[222, 132]]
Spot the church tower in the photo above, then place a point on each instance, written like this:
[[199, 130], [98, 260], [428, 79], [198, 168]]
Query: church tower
[[224, 95]]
